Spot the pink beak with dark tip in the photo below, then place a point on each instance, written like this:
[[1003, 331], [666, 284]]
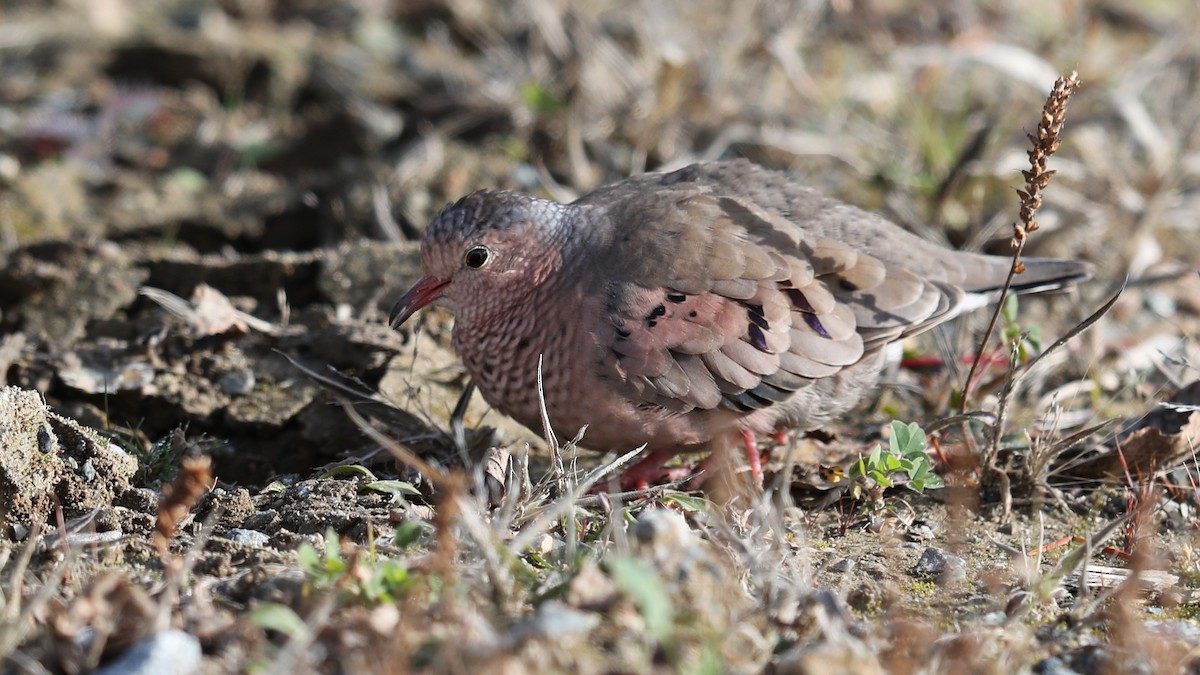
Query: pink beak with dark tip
[[425, 291]]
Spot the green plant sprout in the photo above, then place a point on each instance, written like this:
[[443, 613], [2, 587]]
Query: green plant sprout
[[904, 462]]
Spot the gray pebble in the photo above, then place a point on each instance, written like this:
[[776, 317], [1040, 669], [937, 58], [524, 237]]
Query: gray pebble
[[171, 652]]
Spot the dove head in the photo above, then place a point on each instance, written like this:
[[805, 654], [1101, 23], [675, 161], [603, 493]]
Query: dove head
[[484, 254]]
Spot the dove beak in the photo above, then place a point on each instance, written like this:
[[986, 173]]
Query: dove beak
[[425, 291]]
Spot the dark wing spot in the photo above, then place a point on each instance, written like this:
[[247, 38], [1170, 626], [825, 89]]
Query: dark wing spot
[[739, 402], [815, 324], [798, 300], [756, 315], [847, 285], [523, 343], [757, 338], [622, 334], [801, 303], [658, 311], [692, 314], [676, 297], [753, 399]]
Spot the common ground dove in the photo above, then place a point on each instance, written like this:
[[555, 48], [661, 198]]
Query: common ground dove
[[689, 310]]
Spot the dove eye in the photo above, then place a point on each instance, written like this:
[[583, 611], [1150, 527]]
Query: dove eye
[[477, 256]]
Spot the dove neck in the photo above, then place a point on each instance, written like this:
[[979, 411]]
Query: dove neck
[[501, 351]]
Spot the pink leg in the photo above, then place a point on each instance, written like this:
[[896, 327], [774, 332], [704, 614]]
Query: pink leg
[[781, 436], [752, 456], [648, 470]]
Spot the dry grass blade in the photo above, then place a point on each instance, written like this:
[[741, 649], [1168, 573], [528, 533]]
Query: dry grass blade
[[1070, 334], [438, 476], [556, 461], [1045, 143], [458, 429], [1006, 394], [1018, 374], [1040, 462], [978, 416], [551, 513], [13, 617], [1044, 586]]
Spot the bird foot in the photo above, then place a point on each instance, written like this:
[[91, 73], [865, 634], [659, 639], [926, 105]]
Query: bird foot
[[753, 457], [650, 470]]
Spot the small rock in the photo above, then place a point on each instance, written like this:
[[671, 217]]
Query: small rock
[[171, 652], [544, 545], [1180, 514], [1176, 629], [47, 441], [664, 537], [553, 620], [384, 619], [848, 656], [921, 531], [1052, 666], [994, 618], [10, 168], [1098, 659], [940, 565], [662, 528], [842, 566], [247, 537], [591, 589], [267, 519], [236, 382]]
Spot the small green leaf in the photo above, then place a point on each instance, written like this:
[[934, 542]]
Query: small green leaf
[[392, 487], [408, 533], [333, 551], [188, 179], [686, 502], [907, 439], [642, 585], [1010, 309], [308, 559], [279, 618], [348, 469], [540, 99]]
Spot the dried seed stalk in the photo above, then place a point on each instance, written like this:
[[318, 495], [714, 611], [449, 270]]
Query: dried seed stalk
[[1045, 142], [179, 498]]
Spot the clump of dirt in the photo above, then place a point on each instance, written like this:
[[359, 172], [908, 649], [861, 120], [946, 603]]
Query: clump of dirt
[[48, 461]]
